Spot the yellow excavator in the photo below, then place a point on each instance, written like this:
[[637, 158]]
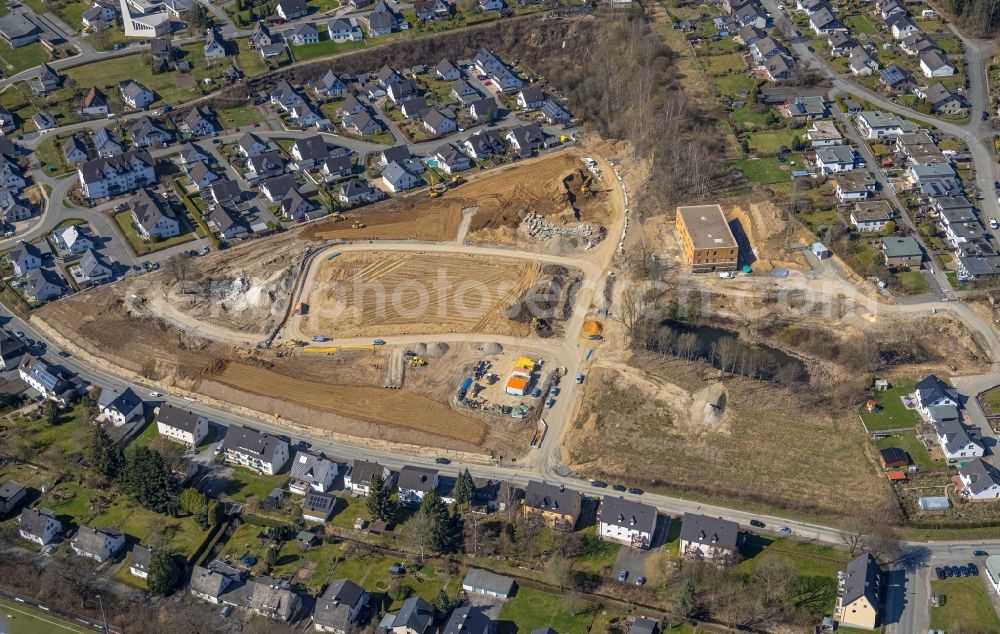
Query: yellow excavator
[[437, 189], [416, 362], [337, 216], [358, 225]]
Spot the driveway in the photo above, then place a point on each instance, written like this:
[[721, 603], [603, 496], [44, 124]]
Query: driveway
[[634, 561]]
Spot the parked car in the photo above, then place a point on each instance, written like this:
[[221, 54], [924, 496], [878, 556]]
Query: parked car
[[618, 487], [442, 461], [319, 338], [636, 491], [955, 572], [598, 484], [973, 569], [623, 575], [640, 580], [939, 571], [949, 571], [785, 530], [757, 524], [981, 553]]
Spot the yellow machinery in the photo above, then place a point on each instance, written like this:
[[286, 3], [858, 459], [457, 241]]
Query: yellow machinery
[[417, 362], [586, 184], [334, 349], [358, 225], [337, 216]]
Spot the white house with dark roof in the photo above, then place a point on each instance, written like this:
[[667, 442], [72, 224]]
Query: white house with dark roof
[[198, 122], [255, 449], [414, 483], [99, 544], [75, 150], [356, 191], [52, 382], [451, 160], [181, 425], [265, 165], [330, 85], [153, 217], [275, 189], [136, 95], [933, 63], [119, 408], [308, 151], [114, 175], [41, 285], [710, 538], [344, 29], [226, 222], [291, 9], [338, 608], [446, 70], [25, 257], [311, 472], [358, 479], [397, 179], [957, 441], [980, 480], [209, 585], [38, 525], [142, 556], [626, 522]]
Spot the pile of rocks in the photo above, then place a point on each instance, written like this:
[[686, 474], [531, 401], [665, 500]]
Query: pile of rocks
[[539, 228]]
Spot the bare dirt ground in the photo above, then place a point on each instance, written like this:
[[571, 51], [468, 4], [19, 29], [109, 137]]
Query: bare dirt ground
[[380, 294], [409, 218]]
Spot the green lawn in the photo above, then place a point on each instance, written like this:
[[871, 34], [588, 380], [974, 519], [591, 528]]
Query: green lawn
[[771, 141], [860, 24], [966, 607], [733, 85], [813, 220], [912, 445], [15, 60], [750, 118], [181, 535], [245, 483], [770, 170], [124, 220], [324, 48], [913, 282], [16, 618], [71, 12], [249, 60], [231, 118], [810, 560], [891, 413], [111, 71], [530, 609], [724, 64]]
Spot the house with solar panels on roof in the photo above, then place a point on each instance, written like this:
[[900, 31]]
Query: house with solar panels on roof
[[51, 381]]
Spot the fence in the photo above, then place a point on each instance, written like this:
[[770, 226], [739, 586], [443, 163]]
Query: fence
[[61, 613]]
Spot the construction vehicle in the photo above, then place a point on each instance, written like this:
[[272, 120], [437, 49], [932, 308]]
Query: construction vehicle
[[337, 216], [358, 225], [438, 189], [586, 184], [417, 362]]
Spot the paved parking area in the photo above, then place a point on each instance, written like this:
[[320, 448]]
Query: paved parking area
[[634, 561]]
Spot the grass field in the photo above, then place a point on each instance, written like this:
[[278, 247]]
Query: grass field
[[110, 72], [966, 608], [530, 609], [860, 24], [231, 118], [124, 220], [913, 282], [771, 141], [734, 84], [809, 559], [912, 445], [16, 618], [770, 170], [15, 60], [244, 483], [724, 64], [324, 48], [892, 414], [750, 118]]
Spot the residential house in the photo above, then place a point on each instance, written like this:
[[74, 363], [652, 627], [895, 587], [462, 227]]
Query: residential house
[[551, 505], [841, 43], [388, 75], [488, 584], [491, 5], [355, 191], [153, 216], [414, 483], [7, 122], [308, 151], [215, 45], [265, 596], [831, 159], [427, 10], [15, 212], [92, 269], [75, 150], [275, 189], [860, 593], [305, 33], [338, 609], [99, 544], [330, 85], [397, 179], [877, 124], [980, 480], [943, 100], [161, 50], [765, 49], [897, 80], [901, 26], [224, 192], [142, 556], [255, 449], [38, 525], [209, 585], [25, 257], [641, 625], [871, 216], [311, 472], [119, 408], [468, 619], [294, 206], [291, 9], [114, 175], [336, 167], [317, 507], [901, 252], [447, 71], [202, 176], [226, 223], [933, 63], [917, 43], [956, 440], [531, 98], [486, 62], [199, 122], [414, 617], [146, 132], [862, 62], [932, 392], [41, 285], [806, 108], [383, 20], [451, 160], [43, 120], [135, 95], [918, 148], [889, 8], [251, 145], [46, 80], [361, 124], [400, 91], [95, 104], [506, 81], [414, 108], [752, 14], [779, 68], [359, 479], [484, 144], [748, 35], [710, 538], [265, 165], [11, 495], [181, 425], [105, 143], [11, 349], [825, 22], [351, 105], [626, 522], [98, 17], [52, 382], [920, 174], [463, 91], [17, 31], [526, 139], [553, 113], [823, 133], [344, 30]]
